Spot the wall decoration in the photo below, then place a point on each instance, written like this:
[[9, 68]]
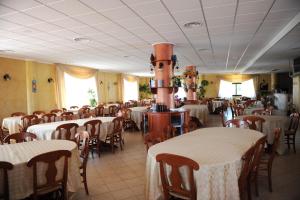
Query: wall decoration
[[34, 87]]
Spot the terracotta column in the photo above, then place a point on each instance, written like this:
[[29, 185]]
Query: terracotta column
[[189, 81], [163, 73]]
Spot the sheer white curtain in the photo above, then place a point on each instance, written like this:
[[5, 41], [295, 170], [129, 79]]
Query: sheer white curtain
[[226, 89], [248, 89], [130, 88]]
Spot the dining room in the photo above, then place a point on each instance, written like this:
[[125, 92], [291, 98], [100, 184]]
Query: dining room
[[149, 99]]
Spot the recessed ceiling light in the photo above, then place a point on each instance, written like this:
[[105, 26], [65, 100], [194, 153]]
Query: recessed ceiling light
[[193, 24], [81, 39]]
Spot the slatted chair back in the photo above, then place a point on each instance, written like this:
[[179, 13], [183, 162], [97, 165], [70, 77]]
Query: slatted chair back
[[173, 184], [52, 181], [28, 120], [56, 111], [67, 131], [49, 117], [259, 149], [17, 114], [294, 123], [237, 123], [65, 116], [20, 137], [93, 128], [252, 120], [4, 167], [277, 133], [99, 111], [247, 163], [112, 110]]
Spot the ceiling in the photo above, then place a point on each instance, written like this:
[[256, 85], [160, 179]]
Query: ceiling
[[235, 36]]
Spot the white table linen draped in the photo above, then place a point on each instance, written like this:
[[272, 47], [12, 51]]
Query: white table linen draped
[[137, 115], [46, 131], [199, 111], [20, 177], [218, 152], [12, 124]]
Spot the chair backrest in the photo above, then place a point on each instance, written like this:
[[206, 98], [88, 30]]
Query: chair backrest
[[118, 125], [17, 114], [173, 183], [56, 111], [4, 167], [67, 116], [93, 127], [126, 113], [238, 110], [277, 133], [29, 120], [294, 122], [247, 162], [39, 112], [52, 181], [252, 120], [20, 137], [74, 107], [112, 110], [259, 149], [67, 131], [49, 117], [82, 140], [2, 135], [237, 123], [99, 111]]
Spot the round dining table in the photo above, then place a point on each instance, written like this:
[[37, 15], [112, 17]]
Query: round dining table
[[199, 111], [218, 151], [272, 122], [137, 114], [20, 178]]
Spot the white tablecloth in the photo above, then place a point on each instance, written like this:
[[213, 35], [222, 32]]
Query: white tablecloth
[[199, 111], [12, 124], [47, 131], [20, 178], [216, 104], [272, 122], [217, 150], [249, 110], [136, 115]]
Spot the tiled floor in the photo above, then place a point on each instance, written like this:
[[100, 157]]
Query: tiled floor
[[121, 175]]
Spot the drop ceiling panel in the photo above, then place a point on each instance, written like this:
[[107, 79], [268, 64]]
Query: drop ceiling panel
[[70, 7], [20, 5], [44, 13], [20, 18]]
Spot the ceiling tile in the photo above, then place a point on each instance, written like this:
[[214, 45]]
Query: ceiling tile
[[219, 11], [131, 23], [67, 23], [160, 19], [149, 8], [20, 18], [119, 13], [45, 27], [91, 18], [70, 7], [20, 5], [179, 5], [103, 4], [44, 13], [5, 25], [5, 10]]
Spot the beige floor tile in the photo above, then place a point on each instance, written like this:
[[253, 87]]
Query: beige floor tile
[[123, 194]]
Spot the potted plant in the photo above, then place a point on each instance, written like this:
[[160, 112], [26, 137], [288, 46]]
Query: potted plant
[[145, 91], [202, 89], [92, 97], [176, 81]]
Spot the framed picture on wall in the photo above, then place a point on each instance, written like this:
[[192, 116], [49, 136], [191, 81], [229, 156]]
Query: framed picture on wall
[[34, 86]]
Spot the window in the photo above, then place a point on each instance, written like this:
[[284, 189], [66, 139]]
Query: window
[[130, 90], [227, 89], [77, 90]]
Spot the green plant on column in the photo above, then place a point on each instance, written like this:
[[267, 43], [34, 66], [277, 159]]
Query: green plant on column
[[144, 91], [92, 97], [202, 90]]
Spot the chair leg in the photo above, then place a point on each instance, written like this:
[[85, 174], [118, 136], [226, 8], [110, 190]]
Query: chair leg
[[85, 184], [270, 179], [98, 147], [256, 185], [288, 142], [294, 143], [112, 143]]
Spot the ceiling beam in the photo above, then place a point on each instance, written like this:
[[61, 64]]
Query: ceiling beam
[[272, 42]]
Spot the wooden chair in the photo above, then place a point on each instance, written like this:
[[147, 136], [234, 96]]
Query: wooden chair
[[258, 152], [290, 133], [113, 110], [4, 167], [17, 114], [99, 111], [83, 142], [53, 182], [20, 137], [238, 110], [28, 120], [173, 184], [116, 135], [39, 113], [67, 131], [247, 163], [49, 117], [74, 107], [57, 112], [222, 118], [84, 112], [237, 123], [260, 112], [3, 134], [168, 132], [128, 122], [252, 120], [266, 162], [65, 116], [93, 128]]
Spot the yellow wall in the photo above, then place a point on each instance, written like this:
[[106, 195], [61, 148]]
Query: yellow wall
[[110, 87]]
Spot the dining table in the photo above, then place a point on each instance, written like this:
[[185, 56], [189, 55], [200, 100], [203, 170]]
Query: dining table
[[199, 111], [12, 124], [272, 122], [46, 131], [137, 114], [217, 150], [20, 178]]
